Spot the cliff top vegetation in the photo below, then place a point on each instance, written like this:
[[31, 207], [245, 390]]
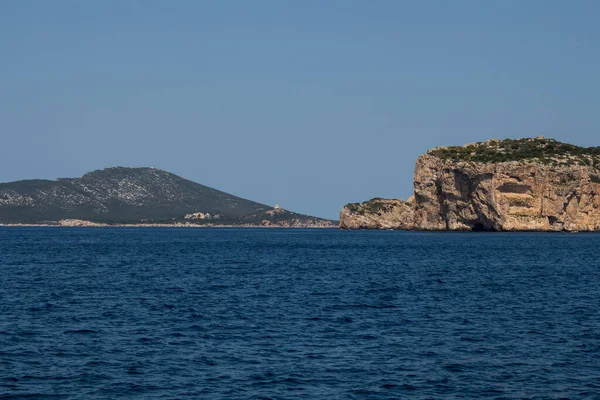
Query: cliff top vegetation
[[547, 151]]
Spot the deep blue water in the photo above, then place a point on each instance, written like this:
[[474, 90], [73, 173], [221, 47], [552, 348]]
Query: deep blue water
[[102, 313]]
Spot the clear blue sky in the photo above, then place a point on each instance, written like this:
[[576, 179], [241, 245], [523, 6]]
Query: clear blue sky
[[309, 104]]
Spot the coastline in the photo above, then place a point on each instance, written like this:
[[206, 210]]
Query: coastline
[[193, 226], [94, 225]]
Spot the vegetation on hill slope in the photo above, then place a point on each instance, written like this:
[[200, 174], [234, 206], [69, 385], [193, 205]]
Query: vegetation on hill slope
[[117, 195], [373, 206]]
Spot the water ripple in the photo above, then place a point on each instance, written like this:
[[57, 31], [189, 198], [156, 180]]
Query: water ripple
[[297, 314]]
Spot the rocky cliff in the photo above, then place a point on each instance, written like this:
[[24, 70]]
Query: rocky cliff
[[498, 185], [378, 214]]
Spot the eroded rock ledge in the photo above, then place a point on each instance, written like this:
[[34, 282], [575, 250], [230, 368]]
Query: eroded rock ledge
[[512, 185]]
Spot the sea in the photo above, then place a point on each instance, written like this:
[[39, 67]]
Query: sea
[[170, 313]]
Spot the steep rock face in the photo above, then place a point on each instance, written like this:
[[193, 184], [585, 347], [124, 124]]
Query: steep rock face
[[506, 196], [526, 184]]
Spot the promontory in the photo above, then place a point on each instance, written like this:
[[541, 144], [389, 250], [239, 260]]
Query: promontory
[[532, 184]]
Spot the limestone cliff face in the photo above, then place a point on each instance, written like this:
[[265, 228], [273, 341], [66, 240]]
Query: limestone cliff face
[[506, 196], [459, 189]]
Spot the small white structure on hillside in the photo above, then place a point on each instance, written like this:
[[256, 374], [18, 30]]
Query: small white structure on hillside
[[198, 215]]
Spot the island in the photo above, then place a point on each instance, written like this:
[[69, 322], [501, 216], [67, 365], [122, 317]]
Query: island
[[530, 184], [122, 196]]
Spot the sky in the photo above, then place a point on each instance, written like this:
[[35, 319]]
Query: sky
[[306, 104]]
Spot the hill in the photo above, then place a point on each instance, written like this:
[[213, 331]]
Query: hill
[[121, 195]]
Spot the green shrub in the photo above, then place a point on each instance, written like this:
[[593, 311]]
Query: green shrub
[[353, 207], [521, 149]]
